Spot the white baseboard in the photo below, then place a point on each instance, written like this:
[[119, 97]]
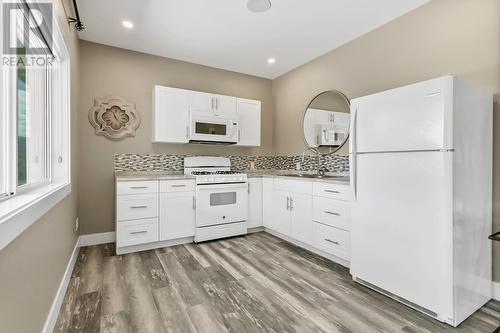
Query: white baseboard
[[495, 294], [61, 292], [96, 239]]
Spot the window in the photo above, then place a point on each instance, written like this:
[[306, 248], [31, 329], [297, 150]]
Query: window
[[34, 108], [32, 114], [30, 121]]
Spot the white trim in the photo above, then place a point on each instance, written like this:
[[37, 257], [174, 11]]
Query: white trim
[[96, 239], [328, 256], [495, 294], [25, 209], [51, 320]]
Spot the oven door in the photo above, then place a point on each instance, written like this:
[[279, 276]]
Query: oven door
[[213, 129], [221, 203]]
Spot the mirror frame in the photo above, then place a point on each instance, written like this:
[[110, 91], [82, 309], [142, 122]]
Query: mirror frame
[[316, 149]]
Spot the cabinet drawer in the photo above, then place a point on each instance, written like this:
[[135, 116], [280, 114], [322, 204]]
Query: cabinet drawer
[[136, 187], [220, 231], [136, 232], [333, 212], [296, 186], [332, 191], [332, 240], [136, 206], [181, 185]]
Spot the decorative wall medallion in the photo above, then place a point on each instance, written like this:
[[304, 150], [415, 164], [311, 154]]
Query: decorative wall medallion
[[114, 118]]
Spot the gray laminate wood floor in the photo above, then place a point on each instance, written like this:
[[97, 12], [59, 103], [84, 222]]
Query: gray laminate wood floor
[[255, 283]]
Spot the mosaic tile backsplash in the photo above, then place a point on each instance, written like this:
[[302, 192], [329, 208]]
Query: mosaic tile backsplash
[[160, 162]]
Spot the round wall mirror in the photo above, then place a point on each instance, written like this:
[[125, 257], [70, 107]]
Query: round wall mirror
[[326, 122]]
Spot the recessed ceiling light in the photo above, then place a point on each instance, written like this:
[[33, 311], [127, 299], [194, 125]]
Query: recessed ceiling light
[[271, 61], [258, 6], [128, 24]]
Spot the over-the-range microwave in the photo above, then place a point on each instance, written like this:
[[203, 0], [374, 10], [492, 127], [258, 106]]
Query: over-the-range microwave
[[213, 129]]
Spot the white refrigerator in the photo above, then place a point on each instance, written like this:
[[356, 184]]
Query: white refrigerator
[[421, 172]]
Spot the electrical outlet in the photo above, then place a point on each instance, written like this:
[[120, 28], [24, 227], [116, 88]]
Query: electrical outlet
[[297, 166], [252, 165], [77, 224]]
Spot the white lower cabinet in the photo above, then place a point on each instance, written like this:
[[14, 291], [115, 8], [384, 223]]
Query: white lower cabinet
[[267, 201], [300, 213], [177, 215], [332, 212], [136, 232], [280, 220], [332, 240], [254, 202], [314, 213], [137, 206], [153, 211]]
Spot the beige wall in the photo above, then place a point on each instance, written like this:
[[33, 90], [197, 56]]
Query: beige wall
[[107, 71], [32, 266], [445, 36]]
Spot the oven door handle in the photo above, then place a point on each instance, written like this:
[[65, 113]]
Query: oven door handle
[[221, 186]]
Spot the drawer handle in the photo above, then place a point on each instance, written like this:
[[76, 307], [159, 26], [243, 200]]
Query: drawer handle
[[332, 213], [138, 207], [178, 185], [138, 232], [331, 241], [137, 187], [332, 191]]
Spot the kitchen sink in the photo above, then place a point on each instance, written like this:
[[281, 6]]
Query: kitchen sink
[[316, 176]]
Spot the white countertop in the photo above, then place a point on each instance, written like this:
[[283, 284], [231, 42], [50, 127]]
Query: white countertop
[[176, 175], [150, 175]]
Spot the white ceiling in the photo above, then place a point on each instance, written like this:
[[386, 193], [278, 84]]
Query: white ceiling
[[224, 34]]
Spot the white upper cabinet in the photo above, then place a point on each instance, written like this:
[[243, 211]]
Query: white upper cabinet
[[249, 121], [218, 105], [201, 102], [225, 106], [170, 115], [172, 108]]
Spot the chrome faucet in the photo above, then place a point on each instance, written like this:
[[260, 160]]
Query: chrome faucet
[[320, 170]]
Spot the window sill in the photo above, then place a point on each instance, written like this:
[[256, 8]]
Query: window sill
[[19, 212]]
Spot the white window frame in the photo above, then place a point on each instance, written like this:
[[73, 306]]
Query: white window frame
[[22, 208]]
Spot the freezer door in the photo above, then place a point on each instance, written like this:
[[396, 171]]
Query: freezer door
[[414, 117], [401, 232]]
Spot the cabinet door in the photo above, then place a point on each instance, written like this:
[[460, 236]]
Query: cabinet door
[[280, 218], [177, 215], [171, 115], [301, 221], [267, 201], [225, 106], [249, 122], [254, 202], [201, 102]]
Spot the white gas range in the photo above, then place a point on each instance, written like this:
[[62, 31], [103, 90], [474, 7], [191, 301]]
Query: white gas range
[[221, 197]]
